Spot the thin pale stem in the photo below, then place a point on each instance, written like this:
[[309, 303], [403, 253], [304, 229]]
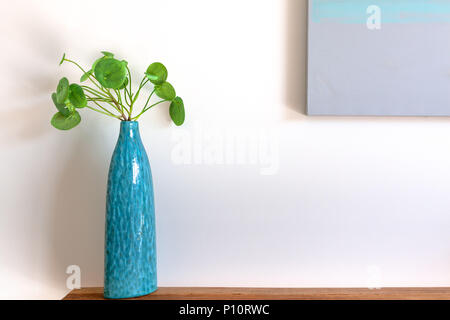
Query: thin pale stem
[[95, 92], [105, 93], [117, 106], [126, 98], [141, 85], [129, 83], [104, 109], [148, 100], [133, 100], [145, 110], [106, 114], [90, 77], [102, 99], [119, 99]]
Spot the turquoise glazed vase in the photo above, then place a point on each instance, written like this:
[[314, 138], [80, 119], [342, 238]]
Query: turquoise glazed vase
[[130, 246]]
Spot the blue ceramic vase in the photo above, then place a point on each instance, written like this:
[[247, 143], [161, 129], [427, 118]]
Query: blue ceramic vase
[[130, 246]]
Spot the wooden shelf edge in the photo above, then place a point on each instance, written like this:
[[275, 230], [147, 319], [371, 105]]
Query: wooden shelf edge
[[210, 293]]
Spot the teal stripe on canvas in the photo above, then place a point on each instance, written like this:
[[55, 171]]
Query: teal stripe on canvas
[[392, 11]]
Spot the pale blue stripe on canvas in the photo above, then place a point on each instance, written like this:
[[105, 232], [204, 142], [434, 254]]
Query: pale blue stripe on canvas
[[392, 11]]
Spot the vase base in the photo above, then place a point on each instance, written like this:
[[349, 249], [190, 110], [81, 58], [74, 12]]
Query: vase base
[[130, 296]]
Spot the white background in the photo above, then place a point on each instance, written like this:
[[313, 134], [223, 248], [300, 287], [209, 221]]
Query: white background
[[347, 195]]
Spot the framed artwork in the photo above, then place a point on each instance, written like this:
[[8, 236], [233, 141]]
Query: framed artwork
[[379, 57]]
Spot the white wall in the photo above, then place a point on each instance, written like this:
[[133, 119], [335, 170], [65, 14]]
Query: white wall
[[323, 202]]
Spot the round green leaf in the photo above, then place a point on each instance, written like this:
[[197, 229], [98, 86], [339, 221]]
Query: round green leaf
[[156, 73], [107, 54], [62, 91], [62, 108], [111, 73], [98, 60], [62, 122], [76, 96], [86, 76], [165, 91], [124, 84], [176, 111], [62, 59]]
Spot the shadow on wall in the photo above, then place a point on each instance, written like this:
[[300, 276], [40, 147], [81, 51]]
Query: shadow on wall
[[71, 234], [78, 213], [31, 85], [296, 54]]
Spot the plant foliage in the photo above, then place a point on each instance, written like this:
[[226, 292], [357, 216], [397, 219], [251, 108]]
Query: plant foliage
[[110, 92]]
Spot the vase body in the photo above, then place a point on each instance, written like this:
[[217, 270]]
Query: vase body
[[130, 240]]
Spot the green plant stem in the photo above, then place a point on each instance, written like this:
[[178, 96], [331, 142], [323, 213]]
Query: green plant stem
[[108, 96], [141, 85], [146, 103], [95, 92], [97, 99], [155, 104], [119, 98], [117, 105], [126, 109], [130, 93], [90, 77], [121, 102], [145, 110], [105, 99], [106, 114], [104, 109], [144, 81], [133, 98], [148, 100], [126, 99]]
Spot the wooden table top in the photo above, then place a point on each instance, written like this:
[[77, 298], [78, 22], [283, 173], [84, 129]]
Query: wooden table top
[[199, 293]]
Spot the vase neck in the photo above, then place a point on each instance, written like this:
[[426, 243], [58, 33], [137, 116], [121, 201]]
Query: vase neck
[[129, 129]]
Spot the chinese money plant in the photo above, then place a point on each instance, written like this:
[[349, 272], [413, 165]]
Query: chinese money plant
[[107, 89]]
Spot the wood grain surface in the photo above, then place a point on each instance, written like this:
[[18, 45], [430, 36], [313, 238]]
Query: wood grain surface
[[198, 293]]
